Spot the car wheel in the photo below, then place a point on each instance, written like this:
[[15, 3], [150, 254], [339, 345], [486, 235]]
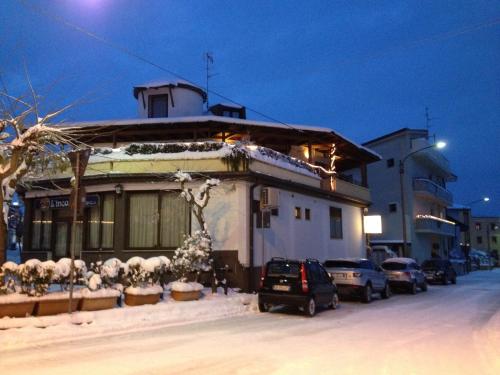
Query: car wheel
[[445, 280], [423, 287], [413, 288], [263, 307], [386, 293], [310, 308], [367, 293], [335, 302]]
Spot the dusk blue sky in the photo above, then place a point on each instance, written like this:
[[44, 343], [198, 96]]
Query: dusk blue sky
[[363, 68]]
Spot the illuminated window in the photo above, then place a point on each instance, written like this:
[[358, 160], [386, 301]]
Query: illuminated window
[[298, 213]]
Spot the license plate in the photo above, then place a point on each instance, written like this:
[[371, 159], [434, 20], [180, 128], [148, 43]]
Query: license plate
[[282, 288], [392, 277], [339, 275]]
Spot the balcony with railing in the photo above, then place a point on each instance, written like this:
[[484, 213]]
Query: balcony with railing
[[428, 224], [429, 189], [346, 188]]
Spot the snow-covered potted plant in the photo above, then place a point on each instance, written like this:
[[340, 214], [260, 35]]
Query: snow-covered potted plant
[[100, 293], [12, 303], [142, 284], [50, 272], [191, 258]]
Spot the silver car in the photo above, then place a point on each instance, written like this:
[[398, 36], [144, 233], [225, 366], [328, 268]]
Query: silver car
[[357, 276], [404, 273]]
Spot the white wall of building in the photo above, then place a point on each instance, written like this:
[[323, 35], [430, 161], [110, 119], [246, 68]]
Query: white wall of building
[[300, 238], [186, 102]]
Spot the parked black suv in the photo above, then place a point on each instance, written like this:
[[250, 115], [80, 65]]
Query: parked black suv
[[304, 284], [439, 270]]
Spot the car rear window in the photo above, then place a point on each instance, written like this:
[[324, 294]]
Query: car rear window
[[393, 266], [431, 263], [341, 264], [283, 269]]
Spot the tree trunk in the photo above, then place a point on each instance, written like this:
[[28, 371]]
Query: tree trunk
[[3, 235]]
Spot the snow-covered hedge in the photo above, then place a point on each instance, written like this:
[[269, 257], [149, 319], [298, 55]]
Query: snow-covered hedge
[[234, 155]]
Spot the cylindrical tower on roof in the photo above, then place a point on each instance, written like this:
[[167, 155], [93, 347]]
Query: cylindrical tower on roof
[[170, 98]]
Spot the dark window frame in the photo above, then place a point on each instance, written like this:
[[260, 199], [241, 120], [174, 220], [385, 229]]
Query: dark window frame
[[152, 98], [336, 223], [159, 194], [307, 214]]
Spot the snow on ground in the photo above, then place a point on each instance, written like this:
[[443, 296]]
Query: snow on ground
[[452, 329], [63, 328]]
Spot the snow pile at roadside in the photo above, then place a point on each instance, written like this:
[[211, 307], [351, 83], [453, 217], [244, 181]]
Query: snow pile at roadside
[[80, 325]]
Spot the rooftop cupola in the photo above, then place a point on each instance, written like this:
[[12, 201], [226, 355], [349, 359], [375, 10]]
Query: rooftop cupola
[[169, 98]]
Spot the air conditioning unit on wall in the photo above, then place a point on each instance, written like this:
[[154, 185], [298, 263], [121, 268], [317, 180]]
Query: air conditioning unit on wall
[[269, 198]]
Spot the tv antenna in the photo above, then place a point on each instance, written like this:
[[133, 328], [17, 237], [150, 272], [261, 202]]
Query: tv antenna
[[428, 119], [209, 60]]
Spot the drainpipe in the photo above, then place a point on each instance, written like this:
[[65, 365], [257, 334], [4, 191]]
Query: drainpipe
[[250, 239]]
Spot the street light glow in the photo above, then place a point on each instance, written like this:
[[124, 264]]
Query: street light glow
[[486, 199], [440, 144]]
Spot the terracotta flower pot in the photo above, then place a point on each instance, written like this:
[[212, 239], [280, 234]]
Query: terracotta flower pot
[[186, 296], [140, 299], [17, 309], [46, 307], [98, 303]]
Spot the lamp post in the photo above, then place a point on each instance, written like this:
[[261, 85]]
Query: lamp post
[[438, 145], [484, 199]]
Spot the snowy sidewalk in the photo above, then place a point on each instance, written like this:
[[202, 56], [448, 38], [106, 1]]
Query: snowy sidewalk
[[36, 331]]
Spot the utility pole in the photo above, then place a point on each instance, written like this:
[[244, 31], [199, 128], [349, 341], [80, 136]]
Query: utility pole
[[79, 160]]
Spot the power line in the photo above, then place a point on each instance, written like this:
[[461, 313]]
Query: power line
[[433, 38], [140, 58]]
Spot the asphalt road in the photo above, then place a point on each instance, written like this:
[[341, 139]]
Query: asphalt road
[[452, 329]]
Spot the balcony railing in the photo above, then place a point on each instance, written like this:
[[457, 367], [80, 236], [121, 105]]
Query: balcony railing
[[434, 225], [431, 188], [346, 188]]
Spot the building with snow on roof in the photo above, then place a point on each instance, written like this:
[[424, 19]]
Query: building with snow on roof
[[278, 194]]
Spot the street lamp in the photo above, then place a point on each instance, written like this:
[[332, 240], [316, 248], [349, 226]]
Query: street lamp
[[484, 199], [438, 145]]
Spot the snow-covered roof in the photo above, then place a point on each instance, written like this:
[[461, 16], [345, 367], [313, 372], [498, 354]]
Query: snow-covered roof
[[229, 105], [168, 83], [400, 260], [219, 119]]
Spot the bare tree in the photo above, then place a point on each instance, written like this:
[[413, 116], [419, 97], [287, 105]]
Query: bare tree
[[27, 140]]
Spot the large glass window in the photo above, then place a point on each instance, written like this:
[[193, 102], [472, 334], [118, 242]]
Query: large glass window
[[157, 220], [335, 222], [100, 223], [41, 230]]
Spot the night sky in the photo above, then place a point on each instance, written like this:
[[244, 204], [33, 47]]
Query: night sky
[[363, 68]]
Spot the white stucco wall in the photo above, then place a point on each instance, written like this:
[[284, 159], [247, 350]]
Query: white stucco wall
[[299, 238], [186, 102]]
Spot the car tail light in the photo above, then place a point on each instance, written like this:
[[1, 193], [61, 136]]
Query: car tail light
[[357, 274], [407, 274], [303, 278], [262, 276]]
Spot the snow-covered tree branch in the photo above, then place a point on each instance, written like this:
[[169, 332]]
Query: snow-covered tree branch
[[196, 252], [26, 140]]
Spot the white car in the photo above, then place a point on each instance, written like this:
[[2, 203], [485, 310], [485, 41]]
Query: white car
[[404, 273], [358, 276]]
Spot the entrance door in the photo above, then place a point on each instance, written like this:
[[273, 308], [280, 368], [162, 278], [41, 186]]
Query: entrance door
[[61, 246]]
